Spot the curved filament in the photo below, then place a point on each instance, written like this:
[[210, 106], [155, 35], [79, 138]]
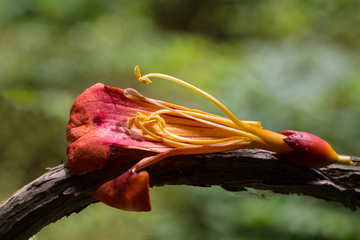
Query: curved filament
[[145, 79]]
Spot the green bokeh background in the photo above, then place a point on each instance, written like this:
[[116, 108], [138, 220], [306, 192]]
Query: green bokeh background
[[290, 64]]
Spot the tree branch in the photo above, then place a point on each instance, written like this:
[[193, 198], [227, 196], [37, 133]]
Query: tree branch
[[57, 193]]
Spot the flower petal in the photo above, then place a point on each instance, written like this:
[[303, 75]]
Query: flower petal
[[87, 154], [130, 192]]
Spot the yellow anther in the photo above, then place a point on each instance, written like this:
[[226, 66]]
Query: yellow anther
[[141, 79], [137, 72], [160, 121], [145, 80], [131, 122], [159, 138]]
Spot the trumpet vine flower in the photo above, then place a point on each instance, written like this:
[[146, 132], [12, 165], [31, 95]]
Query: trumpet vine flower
[[103, 117]]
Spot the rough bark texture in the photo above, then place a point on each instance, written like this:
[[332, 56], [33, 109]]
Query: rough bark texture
[[57, 193]]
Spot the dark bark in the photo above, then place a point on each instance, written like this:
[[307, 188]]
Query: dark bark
[[57, 193]]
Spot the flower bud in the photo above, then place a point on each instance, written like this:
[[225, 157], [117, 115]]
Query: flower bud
[[309, 150]]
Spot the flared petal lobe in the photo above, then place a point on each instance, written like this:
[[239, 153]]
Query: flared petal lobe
[[87, 154], [129, 192], [98, 120]]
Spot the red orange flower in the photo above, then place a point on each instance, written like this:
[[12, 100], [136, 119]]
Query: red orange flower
[[103, 117]]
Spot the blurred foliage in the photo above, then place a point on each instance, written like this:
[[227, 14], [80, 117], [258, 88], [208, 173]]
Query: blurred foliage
[[290, 64]]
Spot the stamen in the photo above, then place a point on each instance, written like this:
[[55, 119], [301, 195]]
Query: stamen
[[137, 72], [147, 119], [237, 131], [209, 117], [185, 139], [201, 141], [161, 139], [145, 79], [162, 125], [131, 122]]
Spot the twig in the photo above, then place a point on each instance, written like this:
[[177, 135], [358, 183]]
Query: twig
[[57, 193]]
